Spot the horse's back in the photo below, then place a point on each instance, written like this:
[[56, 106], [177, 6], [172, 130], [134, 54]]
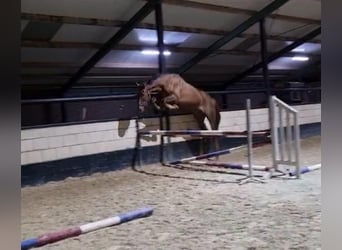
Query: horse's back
[[189, 97], [175, 84], [172, 82]]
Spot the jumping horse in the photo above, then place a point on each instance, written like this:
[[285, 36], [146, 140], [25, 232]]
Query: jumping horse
[[172, 92]]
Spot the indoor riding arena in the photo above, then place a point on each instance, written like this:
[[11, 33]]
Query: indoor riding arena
[[171, 124]]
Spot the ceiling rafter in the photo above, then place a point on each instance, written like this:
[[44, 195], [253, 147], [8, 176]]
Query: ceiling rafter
[[121, 76], [130, 47], [267, 10], [201, 69], [234, 10], [119, 23], [275, 55], [247, 43], [113, 41]]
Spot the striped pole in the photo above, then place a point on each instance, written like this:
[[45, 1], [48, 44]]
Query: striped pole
[[231, 165], [204, 156], [306, 169], [200, 133], [86, 228]]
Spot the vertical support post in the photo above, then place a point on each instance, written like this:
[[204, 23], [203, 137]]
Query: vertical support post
[[137, 150], [297, 144], [263, 50], [249, 137], [47, 112], [160, 35], [63, 112], [288, 136], [274, 133], [161, 145], [161, 69]]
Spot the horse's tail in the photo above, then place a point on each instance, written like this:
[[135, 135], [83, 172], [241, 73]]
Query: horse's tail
[[215, 116]]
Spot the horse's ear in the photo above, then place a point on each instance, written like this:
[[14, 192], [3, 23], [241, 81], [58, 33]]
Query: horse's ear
[[141, 84]]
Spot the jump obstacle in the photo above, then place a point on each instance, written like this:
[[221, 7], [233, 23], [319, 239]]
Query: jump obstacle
[[200, 133], [211, 133], [86, 228], [231, 165], [203, 156], [285, 141], [194, 160], [285, 135]]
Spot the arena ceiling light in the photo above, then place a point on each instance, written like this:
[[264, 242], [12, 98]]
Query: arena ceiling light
[[300, 58], [308, 48], [170, 37], [298, 49], [155, 52]]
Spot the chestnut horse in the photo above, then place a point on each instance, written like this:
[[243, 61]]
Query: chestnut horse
[[171, 91]]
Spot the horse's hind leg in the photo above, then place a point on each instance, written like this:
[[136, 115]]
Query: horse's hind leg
[[205, 143]]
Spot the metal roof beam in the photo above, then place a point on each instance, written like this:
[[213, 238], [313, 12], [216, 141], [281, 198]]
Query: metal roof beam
[[247, 43], [240, 11], [119, 23], [160, 34], [106, 47], [231, 35], [276, 55], [131, 47]]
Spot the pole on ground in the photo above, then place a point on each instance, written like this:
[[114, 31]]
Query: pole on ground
[[75, 231]]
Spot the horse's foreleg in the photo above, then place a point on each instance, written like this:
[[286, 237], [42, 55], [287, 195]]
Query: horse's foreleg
[[171, 102], [154, 101], [155, 89]]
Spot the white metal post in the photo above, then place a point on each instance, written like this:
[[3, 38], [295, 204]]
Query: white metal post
[[297, 145], [288, 138], [274, 133], [250, 176]]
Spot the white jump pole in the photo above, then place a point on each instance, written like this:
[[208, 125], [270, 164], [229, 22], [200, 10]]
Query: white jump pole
[[306, 169], [52, 237]]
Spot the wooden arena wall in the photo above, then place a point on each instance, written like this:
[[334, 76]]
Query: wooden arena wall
[[62, 142]]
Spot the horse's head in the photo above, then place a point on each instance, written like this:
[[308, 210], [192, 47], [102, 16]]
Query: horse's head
[[144, 96]]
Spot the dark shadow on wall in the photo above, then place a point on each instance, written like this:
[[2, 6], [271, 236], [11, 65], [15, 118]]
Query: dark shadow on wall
[[123, 127], [308, 130]]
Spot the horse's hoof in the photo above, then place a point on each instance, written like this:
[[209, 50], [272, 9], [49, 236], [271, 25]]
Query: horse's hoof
[[172, 106]]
